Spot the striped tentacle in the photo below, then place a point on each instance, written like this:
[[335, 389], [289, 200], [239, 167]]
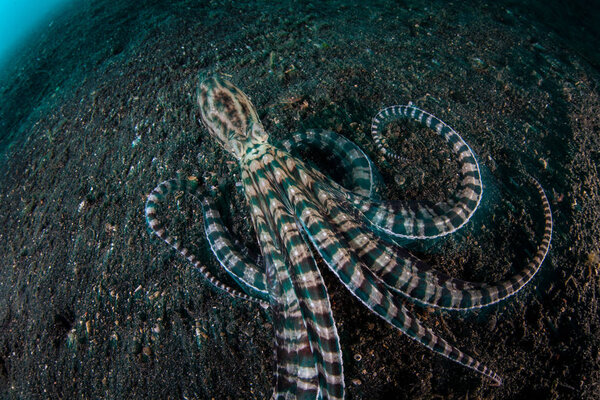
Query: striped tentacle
[[457, 299], [363, 283], [316, 310], [396, 266], [155, 199], [420, 220], [295, 373], [404, 273], [300, 280], [246, 273], [362, 176]]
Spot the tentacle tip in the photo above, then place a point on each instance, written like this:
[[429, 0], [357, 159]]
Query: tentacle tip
[[496, 381]]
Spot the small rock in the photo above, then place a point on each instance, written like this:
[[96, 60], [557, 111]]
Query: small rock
[[478, 64]]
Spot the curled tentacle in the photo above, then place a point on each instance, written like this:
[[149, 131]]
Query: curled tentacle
[[246, 273], [395, 265], [421, 220], [370, 289], [156, 197], [361, 176], [359, 279], [406, 274]]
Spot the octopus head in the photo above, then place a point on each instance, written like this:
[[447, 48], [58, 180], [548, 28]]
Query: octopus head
[[229, 116]]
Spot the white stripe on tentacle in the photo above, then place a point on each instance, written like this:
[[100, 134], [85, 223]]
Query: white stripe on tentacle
[[300, 281], [362, 282], [156, 199], [245, 272], [421, 221], [367, 287]]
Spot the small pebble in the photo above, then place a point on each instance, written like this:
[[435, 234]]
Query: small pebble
[[478, 64]]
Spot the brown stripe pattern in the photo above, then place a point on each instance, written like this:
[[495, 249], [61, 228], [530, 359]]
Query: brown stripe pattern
[[298, 212]]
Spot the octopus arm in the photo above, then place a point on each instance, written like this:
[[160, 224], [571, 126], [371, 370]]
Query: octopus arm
[[246, 273], [422, 220], [376, 295], [404, 273], [394, 265], [359, 279], [361, 175], [156, 199], [308, 354], [295, 374], [397, 219]]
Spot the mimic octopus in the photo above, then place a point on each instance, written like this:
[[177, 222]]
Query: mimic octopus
[[297, 211]]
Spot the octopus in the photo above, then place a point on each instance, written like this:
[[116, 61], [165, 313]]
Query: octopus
[[300, 213]]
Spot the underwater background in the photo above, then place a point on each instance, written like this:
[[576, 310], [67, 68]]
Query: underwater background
[[97, 105]]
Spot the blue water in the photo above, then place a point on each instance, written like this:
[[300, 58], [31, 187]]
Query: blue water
[[19, 19]]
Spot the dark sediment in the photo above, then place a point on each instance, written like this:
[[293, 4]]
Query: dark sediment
[[100, 108]]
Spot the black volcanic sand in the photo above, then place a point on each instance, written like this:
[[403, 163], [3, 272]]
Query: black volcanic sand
[[99, 108]]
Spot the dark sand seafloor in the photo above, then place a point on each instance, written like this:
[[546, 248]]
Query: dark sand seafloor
[[100, 107]]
